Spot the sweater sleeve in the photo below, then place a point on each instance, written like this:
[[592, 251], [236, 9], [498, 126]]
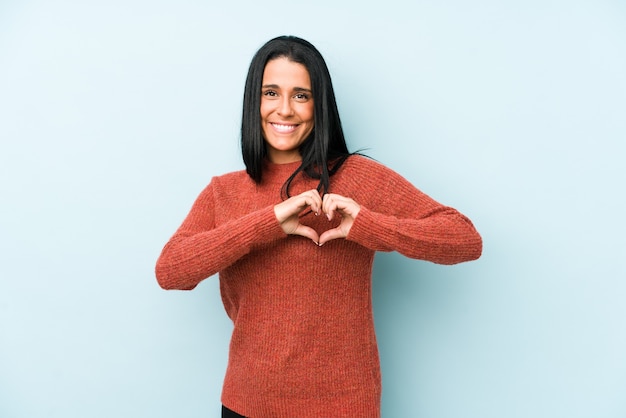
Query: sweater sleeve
[[200, 249], [402, 218]]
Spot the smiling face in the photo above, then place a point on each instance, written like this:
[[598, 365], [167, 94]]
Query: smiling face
[[286, 109]]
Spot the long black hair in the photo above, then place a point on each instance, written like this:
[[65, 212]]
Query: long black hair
[[325, 149]]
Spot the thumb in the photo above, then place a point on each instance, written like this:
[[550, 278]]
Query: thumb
[[330, 235], [307, 232]]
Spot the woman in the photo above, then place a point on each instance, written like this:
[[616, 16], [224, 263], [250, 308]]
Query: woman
[[293, 239]]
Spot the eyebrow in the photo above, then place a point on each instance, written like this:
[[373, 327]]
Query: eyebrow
[[276, 86]]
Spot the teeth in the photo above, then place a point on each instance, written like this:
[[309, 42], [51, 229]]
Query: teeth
[[284, 128]]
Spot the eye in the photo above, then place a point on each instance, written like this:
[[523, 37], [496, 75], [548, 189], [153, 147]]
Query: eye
[[301, 97], [270, 93]]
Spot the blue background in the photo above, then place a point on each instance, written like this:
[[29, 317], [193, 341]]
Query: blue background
[[115, 114]]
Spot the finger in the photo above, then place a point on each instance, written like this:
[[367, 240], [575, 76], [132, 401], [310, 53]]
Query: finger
[[341, 205], [328, 205], [333, 203], [313, 200]]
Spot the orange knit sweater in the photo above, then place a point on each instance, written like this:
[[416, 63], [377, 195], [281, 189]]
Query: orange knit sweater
[[303, 343]]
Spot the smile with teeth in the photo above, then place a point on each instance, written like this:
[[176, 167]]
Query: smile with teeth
[[282, 128]]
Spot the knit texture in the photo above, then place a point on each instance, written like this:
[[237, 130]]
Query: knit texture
[[303, 343]]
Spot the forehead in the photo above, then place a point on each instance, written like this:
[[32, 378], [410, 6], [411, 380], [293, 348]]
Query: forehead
[[285, 73]]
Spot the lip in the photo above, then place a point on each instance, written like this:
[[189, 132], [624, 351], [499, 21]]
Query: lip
[[284, 128]]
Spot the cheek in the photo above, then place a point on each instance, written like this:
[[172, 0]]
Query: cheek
[[307, 113], [264, 109]]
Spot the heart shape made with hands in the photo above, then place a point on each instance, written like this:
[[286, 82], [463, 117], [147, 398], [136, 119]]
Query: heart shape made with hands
[[325, 229], [340, 211]]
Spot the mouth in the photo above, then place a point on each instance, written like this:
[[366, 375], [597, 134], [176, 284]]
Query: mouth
[[284, 128]]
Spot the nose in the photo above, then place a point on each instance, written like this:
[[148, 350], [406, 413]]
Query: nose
[[284, 107]]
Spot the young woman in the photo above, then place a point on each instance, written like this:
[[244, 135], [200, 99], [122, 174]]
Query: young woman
[[293, 239]]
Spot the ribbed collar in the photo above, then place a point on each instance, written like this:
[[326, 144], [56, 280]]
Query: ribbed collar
[[278, 173]]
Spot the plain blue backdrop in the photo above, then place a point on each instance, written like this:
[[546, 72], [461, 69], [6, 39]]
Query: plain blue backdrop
[[115, 114]]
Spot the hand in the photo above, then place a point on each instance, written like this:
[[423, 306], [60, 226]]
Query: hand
[[345, 207], [288, 214]]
